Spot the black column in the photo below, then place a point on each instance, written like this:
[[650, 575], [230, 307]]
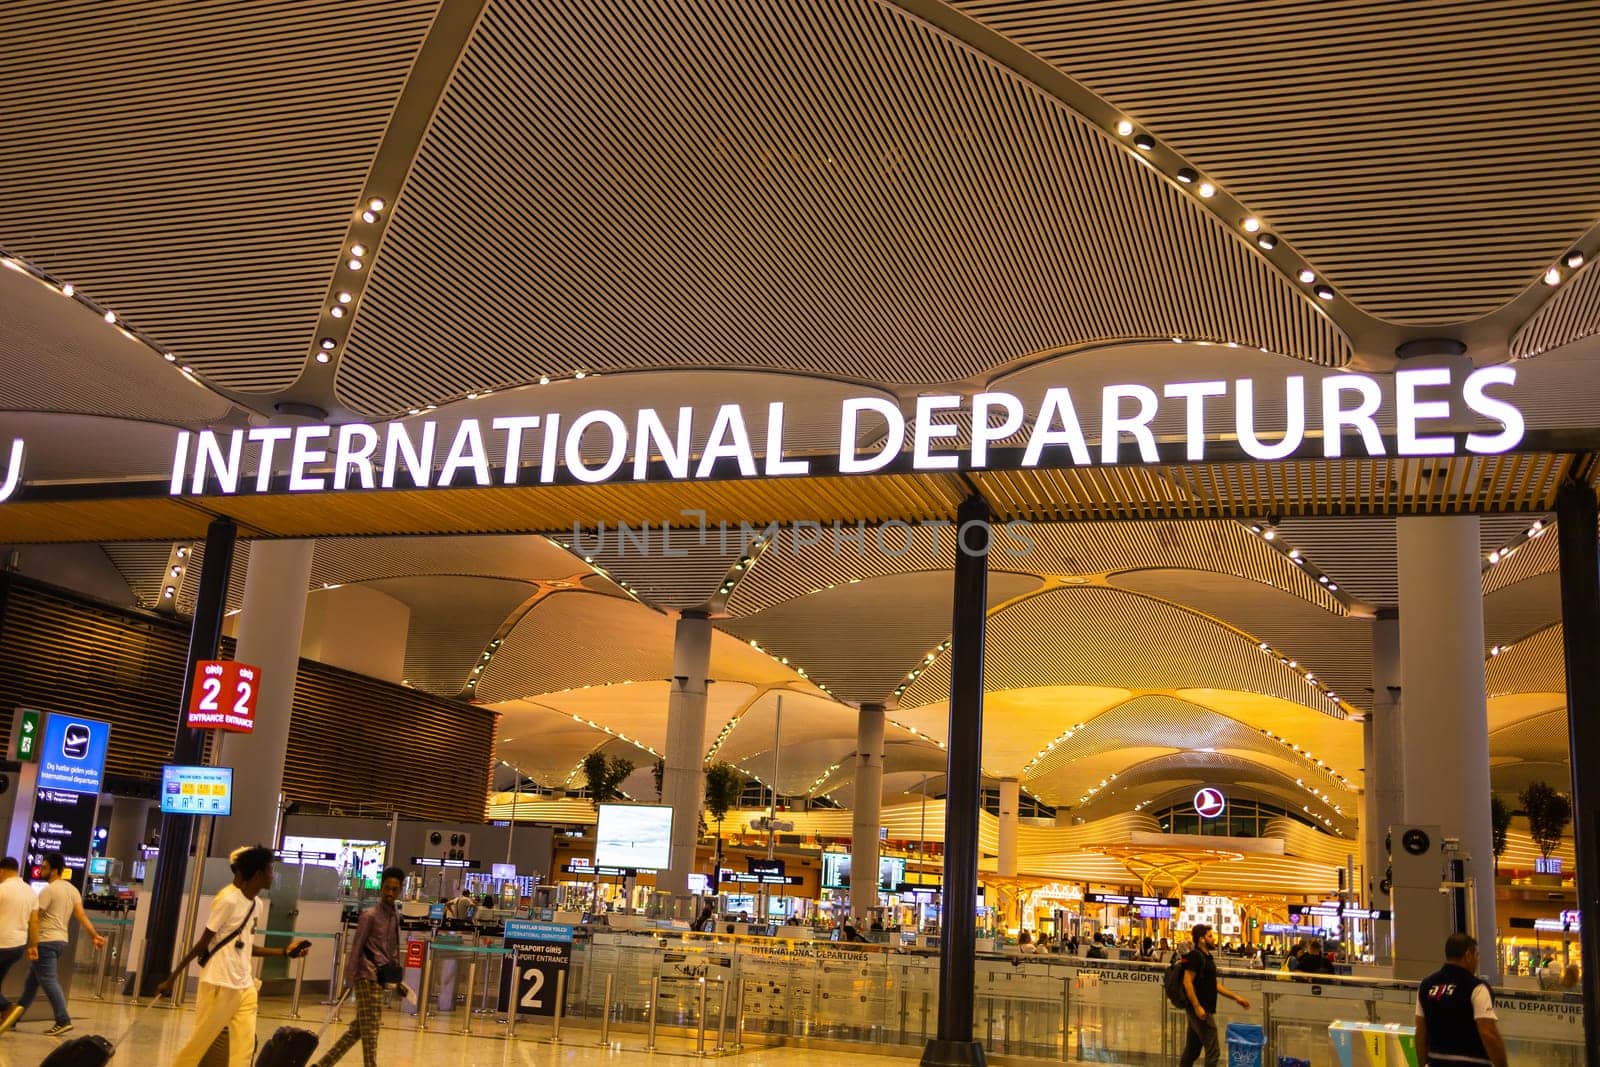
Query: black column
[[205, 637], [954, 1046], [1576, 523]]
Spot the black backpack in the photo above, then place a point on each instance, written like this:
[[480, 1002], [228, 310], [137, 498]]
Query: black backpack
[[1172, 984]]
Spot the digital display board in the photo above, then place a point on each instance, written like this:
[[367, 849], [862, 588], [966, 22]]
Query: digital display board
[[197, 790], [72, 755], [836, 871], [634, 835], [351, 858]]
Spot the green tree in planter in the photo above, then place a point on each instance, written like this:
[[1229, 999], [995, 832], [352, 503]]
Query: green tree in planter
[[724, 785], [1548, 815], [1499, 825], [659, 773], [604, 774]]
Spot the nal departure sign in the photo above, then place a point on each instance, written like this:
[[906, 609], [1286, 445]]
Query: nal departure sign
[[224, 696]]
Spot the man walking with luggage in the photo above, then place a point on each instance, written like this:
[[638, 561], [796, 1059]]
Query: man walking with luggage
[[1456, 1023], [227, 996], [1201, 987], [59, 902], [373, 963]]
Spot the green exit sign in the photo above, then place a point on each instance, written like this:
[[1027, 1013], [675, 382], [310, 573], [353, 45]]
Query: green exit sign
[[27, 746]]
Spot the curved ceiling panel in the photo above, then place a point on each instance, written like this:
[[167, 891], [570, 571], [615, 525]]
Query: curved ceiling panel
[[1337, 650], [1510, 779], [1314, 117], [1017, 723], [842, 191], [1535, 664], [1219, 769], [1520, 610], [196, 167], [1096, 636], [527, 559], [60, 356], [1541, 739], [861, 638], [453, 619]]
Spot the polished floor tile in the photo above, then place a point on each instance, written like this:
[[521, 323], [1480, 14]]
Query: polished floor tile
[[158, 1032]]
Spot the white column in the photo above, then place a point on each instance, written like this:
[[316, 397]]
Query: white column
[[683, 786], [1445, 725], [126, 832], [1010, 797], [1383, 788], [868, 811], [270, 625]]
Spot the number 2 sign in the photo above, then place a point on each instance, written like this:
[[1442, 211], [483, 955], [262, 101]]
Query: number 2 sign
[[224, 696]]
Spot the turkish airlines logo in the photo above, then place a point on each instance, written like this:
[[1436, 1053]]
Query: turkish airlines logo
[[13, 471], [1209, 803]]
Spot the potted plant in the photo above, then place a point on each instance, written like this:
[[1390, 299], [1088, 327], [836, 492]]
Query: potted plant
[[1548, 814], [603, 774], [1499, 825], [724, 785]]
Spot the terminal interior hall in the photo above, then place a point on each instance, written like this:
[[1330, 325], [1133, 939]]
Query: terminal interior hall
[[814, 528]]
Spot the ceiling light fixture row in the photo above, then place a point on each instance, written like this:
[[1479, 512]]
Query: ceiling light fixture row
[[1571, 262], [633, 594], [478, 668], [1309, 758], [479, 394], [911, 675], [1267, 530], [1051, 747], [111, 318], [362, 238], [784, 661], [1187, 177], [1539, 528]]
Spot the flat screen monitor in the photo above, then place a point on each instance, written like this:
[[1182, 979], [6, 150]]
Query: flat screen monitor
[[700, 883], [634, 835], [363, 859], [99, 867], [836, 871], [197, 790], [500, 872]]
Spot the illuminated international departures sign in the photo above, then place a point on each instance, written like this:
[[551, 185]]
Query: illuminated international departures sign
[[659, 445]]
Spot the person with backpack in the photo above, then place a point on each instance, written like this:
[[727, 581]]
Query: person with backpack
[[227, 996], [1193, 985], [374, 962]]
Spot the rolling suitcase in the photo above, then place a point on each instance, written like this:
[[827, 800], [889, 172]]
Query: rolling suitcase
[[291, 1046], [91, 1050]]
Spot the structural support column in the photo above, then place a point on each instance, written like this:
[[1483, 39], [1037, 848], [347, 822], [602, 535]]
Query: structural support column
[[954, 1047], [205, 637], [868, 811], [1580, 626], [683, 786], [126, 832], [1384, 769], [1445, 731], [270, 626]]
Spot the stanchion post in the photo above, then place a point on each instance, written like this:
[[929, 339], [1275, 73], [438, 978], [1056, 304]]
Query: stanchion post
[[650, 1028], [333, 973], [561, 1006], [509, 959], [700, 1039], [299, 981], [738, 1017], [104, 969], [423, 981], [472, 993], [722, 1015], [605, 1012], [1066, 1014]]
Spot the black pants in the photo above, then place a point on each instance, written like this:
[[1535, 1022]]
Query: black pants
[[1202, 1038], [8, 956]]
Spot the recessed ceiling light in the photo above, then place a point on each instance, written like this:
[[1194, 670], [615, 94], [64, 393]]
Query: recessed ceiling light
[[369, 217], [544, 379], [328, 342], [1551, 277], [354, 264], [322, 357], [1574, 259], [1187, 176], [1251, 224], [169, 357], [375, 204], [68, 289], [111, 316], [345, 297], [1267, 241], [358, 250], [579, 375], [1324, 292], [1307, 275], [1207, 190], [336, 311], [1144, 142], [1124, 127]]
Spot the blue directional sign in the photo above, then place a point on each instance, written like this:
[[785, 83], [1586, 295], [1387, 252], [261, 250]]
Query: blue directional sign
[[72, 755]]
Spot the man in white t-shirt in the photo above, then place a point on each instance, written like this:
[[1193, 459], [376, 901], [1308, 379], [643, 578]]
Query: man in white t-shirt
[[17, 905], [59, 903], [227, 996]]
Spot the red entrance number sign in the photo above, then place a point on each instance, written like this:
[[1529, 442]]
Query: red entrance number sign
[[1208, 803], [224, 696]]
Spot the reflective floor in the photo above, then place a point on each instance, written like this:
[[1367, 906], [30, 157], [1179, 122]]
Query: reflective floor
[[159, 1032]]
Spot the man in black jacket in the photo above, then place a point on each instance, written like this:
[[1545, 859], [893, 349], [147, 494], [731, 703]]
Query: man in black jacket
[[1456, 1023]]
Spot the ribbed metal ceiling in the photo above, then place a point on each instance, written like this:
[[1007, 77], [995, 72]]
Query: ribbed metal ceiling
[[195, 167], [840, 190], [1421, 155], [1535, 664], [1571, 315]]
